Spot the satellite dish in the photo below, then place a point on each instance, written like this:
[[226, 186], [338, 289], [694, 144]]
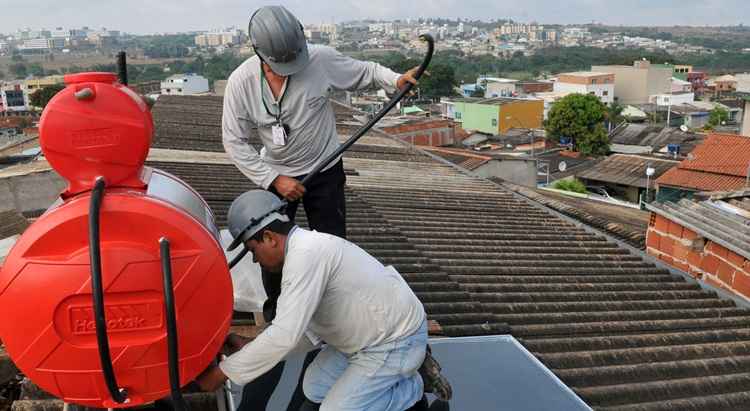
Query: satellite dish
[[683, 128], [562, 166]]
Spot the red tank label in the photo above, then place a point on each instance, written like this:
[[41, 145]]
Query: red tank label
[[130, 317], [100, 137]]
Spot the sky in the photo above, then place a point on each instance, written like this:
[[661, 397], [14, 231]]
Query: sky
[[161, 16]]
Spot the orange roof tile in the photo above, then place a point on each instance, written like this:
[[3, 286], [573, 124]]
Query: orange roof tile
[[721, 154], [699, 180]]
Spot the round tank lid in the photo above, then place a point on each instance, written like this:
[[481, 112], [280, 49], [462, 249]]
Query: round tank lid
[[94, 77]]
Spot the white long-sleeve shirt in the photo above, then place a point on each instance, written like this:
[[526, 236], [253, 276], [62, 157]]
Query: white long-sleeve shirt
[[305, 109], [331, 290]]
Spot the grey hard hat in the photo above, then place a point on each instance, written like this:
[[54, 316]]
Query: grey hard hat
[[279, 39], [251, 212]]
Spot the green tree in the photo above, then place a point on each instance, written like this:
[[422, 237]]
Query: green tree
[[478, 92], [580, 117], [614, 115], [41, 97], [439, 83], [717, 116]]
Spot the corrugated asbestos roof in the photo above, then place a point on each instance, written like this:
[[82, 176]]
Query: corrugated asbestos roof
[[722, 220], [629, 170], [622, 332]]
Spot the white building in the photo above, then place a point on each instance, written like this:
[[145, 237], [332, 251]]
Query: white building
[[673, 99], [497, 87], [13, 97], [599, 84], [184, 85]]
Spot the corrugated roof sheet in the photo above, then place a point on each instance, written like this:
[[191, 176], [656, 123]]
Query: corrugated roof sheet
[[626, 169], [622, 332], [718, 220]]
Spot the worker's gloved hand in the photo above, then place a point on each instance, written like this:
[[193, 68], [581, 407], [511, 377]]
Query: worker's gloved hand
[[289, 188]]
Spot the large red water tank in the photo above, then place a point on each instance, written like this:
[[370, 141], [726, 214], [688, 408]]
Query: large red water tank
[[45, 283]]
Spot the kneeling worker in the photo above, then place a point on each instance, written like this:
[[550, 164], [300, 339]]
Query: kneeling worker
[[332, 292]]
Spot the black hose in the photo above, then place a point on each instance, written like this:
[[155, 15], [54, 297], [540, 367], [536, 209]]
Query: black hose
[[392, 103], [122, 68], [105, 357], [172, 349]]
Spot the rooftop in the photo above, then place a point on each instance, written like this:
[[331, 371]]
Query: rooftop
[[722, 217], [720, 163], [619, 328], [628, 170], [586, 74]]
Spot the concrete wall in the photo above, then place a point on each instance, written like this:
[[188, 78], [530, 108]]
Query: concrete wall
[[632, 84], [517, 171], [700, 257], [746, 120], [31, 192], [481, 117], [521, 114]]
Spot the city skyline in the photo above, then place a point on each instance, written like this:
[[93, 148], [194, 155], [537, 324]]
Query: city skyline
[[141, 17]]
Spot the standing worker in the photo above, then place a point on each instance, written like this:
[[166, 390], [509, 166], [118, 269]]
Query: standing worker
[[374, 327], [283, 94]]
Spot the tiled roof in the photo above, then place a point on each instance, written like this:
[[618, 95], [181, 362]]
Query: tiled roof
[[622, 332], [626, 169], [721, 154], [719, 164], [698, 180]]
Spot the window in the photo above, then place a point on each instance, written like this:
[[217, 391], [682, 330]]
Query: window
[[605, 92], [593, 81], [494, 122], [458, 115], [593, 93]]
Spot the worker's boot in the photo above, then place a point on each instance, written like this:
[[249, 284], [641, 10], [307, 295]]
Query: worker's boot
[[434, 382]]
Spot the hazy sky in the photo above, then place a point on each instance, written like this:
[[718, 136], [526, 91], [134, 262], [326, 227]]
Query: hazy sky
[[153, 16]]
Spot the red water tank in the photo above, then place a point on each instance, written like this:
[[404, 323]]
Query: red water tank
[[97, 127]]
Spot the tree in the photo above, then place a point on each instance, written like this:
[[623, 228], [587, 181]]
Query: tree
[[41, 97], [614, 115], [580, 117], [716, 117], [478, 92]]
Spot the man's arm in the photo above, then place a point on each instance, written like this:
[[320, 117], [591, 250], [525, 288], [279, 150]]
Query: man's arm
[[346, 73], [305, 279], [236, 125]]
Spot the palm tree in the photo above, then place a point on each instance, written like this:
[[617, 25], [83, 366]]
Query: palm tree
[[613, 115]]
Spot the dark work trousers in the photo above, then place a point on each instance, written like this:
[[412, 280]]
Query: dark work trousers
[[325, 207]]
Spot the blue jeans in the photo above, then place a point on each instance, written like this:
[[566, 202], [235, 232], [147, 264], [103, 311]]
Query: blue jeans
[[381, 378]]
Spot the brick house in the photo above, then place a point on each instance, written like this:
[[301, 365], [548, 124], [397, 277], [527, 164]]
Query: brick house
[[421, 131], [706, 239], [720, 163]]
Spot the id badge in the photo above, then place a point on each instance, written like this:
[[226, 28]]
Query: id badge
[[279, 135]]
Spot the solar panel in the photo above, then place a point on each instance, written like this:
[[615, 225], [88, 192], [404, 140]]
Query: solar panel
[[487, 373]]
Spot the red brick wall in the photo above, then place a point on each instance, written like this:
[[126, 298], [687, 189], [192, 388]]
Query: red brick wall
[[701, 258]]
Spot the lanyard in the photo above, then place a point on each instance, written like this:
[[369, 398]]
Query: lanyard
[[262, 95]]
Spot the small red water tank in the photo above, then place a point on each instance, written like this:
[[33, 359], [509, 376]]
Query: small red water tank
[[97, 127]]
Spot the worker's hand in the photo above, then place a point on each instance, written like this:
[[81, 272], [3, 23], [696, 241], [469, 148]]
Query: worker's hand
[[289, 188], [233, 343], [408, 77]]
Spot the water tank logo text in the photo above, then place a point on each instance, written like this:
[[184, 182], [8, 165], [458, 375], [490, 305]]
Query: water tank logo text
[[130, 317], [100, 137]]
